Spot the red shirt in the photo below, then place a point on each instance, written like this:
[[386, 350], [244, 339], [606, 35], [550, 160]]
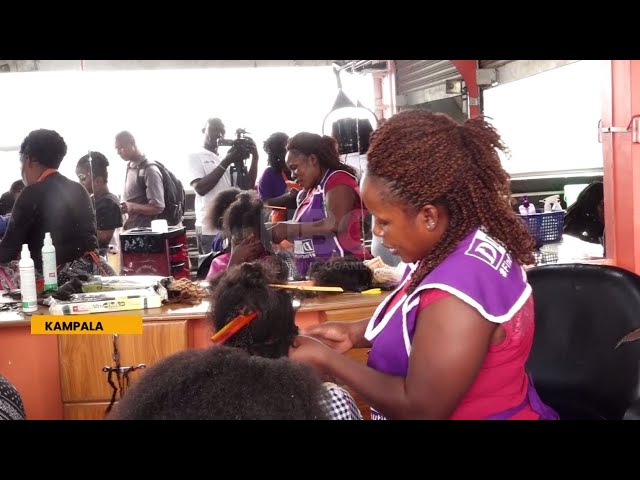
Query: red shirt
[[501, 383]]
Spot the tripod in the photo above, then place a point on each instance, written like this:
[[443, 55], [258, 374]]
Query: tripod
[[241, 176]]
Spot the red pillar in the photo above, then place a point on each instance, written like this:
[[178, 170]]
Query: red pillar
[[621, 100], [467, 69]]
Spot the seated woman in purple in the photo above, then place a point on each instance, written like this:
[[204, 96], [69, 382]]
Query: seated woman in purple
[[275, 187], [452, 341]]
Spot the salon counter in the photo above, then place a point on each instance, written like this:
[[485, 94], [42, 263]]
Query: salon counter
[[61, 376]]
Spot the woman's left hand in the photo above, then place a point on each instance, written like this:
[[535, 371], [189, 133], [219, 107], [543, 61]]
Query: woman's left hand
[[310, 351]]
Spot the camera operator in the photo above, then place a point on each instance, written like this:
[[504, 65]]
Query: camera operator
[[209, 175]]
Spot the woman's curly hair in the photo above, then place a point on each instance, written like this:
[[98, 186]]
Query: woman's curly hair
[[427, 158]]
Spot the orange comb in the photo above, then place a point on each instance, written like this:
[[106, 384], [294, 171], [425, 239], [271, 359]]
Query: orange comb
[[232, 327]]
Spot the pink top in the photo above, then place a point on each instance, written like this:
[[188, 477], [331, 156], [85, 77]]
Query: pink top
[[218, 265], [221, 263], [501, 382]]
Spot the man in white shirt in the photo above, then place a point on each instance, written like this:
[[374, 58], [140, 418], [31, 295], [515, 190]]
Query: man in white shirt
[[209, 175]]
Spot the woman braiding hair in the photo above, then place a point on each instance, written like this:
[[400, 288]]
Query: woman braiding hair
[[430, 159], [452, 341], [328, 220]]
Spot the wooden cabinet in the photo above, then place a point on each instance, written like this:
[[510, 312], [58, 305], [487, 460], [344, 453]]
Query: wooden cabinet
[[85, 411], [348, 314], [85, 391], [84, 388]]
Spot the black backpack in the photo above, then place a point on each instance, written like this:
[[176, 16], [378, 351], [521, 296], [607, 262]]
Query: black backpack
[[174, 195]]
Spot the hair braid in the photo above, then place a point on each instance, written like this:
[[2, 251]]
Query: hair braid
[[427, 158]]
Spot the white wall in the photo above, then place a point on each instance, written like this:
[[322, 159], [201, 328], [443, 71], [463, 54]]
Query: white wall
[[164, 109], [549, 120], [93, 65]]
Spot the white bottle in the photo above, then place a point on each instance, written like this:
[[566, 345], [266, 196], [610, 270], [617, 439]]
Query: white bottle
[[49, 267], [550, 202], [27, 281]]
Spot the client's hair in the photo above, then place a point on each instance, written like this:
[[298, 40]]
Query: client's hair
[[349, 273], [219, 205], [221, 383], [244, 289]]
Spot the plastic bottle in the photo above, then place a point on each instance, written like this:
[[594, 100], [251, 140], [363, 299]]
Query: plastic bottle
[[49, 266], [550, 201], [27, 281]]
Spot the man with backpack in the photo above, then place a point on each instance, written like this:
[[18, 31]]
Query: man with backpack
[[151, 191]]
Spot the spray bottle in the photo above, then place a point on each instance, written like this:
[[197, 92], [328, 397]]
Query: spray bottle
[[551, 202], [27, 281], [557, 206], [49, 266]]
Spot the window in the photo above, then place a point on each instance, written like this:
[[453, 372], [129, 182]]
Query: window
[[549, 121], [164, 109]]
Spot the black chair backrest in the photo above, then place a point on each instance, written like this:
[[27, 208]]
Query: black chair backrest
[[581, 313]]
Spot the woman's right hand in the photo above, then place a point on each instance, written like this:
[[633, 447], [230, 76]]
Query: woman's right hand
[[248, 250], [278, 231], [336, 335]]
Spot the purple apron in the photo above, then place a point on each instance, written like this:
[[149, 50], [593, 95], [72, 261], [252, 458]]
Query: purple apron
[[479, 272], [307, 249]]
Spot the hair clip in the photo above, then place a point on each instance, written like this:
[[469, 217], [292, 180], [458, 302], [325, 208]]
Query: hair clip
[[232, 327]]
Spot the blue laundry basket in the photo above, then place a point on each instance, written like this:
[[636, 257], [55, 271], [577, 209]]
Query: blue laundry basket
[[545, 227]]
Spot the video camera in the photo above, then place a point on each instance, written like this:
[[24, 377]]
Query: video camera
[[243, 145], [242, 142]]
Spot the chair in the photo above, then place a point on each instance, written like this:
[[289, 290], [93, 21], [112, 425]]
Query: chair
[[582, 311]]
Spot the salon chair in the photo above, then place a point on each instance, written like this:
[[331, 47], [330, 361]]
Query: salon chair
[[582, 311]]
